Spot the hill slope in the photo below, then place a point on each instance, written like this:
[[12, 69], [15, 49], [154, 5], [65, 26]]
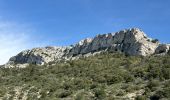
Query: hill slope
[[105, 76]]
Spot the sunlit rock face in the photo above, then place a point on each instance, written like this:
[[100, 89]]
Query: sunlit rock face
[[132, 42], [39, 56], [129, 41]]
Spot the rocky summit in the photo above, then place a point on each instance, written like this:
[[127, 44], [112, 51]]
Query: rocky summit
[[129, 41]]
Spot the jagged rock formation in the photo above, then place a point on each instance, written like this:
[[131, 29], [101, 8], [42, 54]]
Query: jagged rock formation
[[39, 55], [131, 42], [162, 48]]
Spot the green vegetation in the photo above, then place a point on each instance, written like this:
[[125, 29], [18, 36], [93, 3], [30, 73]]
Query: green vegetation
[[107, 76], [169, 52], [155, 41]]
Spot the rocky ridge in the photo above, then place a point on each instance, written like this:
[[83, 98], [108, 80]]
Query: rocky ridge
[[129, 41]]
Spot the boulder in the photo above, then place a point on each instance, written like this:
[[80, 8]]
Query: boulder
[[162, 48]]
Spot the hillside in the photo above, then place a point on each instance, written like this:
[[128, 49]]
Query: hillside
[[105, 76]]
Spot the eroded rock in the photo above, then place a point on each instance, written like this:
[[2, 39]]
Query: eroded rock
[[162, 48], [130, 41]]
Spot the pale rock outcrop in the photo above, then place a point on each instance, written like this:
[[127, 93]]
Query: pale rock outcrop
[[38, 56], [162, 48], [130, 41]]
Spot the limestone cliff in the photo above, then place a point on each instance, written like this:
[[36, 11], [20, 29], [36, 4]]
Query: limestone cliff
[[130, 41]]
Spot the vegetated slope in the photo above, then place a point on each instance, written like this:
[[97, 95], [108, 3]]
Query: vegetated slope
[[106, 76]]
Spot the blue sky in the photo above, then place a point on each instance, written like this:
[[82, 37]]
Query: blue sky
[[32, 23]]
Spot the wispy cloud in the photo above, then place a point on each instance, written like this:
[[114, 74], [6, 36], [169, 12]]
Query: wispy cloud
[[14, 38]]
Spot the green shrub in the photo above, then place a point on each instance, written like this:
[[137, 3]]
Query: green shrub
[[112, 79], [65, 94], [130, 88], [152, 84], [155, 71], [155, 40], [166, 92], [141, 97], [84, 96], [155, 97], [121, 93], [169, 52], [100, 93], [166, 73], [2, 91]]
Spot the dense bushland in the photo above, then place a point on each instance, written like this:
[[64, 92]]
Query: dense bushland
[[105, 76]]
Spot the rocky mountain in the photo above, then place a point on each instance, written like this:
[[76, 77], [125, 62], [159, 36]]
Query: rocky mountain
[[129, 41]]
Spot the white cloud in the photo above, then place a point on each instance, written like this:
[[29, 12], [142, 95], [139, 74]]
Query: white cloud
[[13, 39]]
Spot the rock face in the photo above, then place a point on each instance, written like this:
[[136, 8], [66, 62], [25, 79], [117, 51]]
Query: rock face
[[39, 55], [162, 48], [130, 41]]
